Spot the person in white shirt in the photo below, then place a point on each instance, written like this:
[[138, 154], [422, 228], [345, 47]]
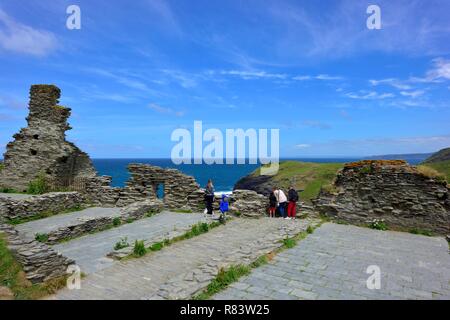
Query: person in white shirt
[[282, 201]]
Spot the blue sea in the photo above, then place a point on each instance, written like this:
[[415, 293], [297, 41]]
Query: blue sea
[[224, 176]]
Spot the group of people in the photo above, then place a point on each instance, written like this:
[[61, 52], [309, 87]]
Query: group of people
[[286, 206]]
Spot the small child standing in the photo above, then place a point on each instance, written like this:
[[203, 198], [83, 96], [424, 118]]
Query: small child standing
[[223, 207], [272, 204]]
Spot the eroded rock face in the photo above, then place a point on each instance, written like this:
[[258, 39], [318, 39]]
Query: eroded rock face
[[41, 147], [248, 203], [390, 190]]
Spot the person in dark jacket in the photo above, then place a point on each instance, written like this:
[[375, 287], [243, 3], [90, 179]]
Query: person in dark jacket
[[209, 197], [272, 203], [293, 198]]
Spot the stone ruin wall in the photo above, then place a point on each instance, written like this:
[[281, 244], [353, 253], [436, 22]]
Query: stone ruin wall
[[41, 147], [390, 190], [180, 190]]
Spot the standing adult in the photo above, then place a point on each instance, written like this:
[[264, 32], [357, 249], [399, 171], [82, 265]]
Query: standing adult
[[209, 197], [293, 198], [282, 202]]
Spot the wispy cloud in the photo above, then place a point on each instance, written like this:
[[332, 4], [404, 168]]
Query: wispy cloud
[[21, 38], [440, 70], [165, 110], [315, 124], [372, 95], [412, 94], [396, 83], [302, 146]]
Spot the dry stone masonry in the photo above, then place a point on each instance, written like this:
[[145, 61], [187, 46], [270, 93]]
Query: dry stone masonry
[[41, 147], [40, 262], [390, 190], [54, 202]]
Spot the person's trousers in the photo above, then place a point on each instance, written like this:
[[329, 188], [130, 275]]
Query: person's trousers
[[209, 204], [291, 209], [282, 208]]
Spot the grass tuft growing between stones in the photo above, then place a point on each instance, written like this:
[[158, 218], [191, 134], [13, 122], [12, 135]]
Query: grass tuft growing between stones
[[139, 248], [122, 243], [13, 278], [223, 279], [41, 237], [378, 224], [422, 232], [38, 185]]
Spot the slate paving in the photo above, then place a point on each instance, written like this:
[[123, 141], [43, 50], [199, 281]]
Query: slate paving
[[89, 251], [15, 196], [61, 220], [332, 262], [180, 270]]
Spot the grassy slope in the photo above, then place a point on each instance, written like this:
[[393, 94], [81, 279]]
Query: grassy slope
[[442, 167], [13, 277], [306, 176]]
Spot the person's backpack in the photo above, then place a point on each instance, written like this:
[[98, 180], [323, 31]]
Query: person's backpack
[[295, 195]]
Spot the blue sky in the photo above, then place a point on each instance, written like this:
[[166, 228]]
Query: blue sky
[[137, 70]]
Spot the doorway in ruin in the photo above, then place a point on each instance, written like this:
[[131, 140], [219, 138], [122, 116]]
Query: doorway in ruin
[[159, 190]]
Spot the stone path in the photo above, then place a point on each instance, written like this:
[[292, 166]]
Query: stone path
[[332, 262], [15, 196], [89, 251], [54, 222], [187, 266]]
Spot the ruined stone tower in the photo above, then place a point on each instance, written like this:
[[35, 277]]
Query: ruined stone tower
[[41, 147]]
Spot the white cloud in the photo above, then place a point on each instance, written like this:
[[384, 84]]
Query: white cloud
[[165, 110], [440, 70], [369, 95], [327, 77], [412, 94], [302, 78], [247, 75], [391, 82], [18, 37]]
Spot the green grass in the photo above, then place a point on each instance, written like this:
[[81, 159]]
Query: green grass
[[38, 185], [306, 176], [122, 243], [443, 167], [41, 237], [421, 232], [378, 225], [223, 279], [139, 249], [13, 277], [46, 214], [289, 243], [116, 222], [182, 210]]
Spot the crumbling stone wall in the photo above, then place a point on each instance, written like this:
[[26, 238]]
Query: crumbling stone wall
[[41, 147], [54, 202], [389, 190], [180, 190], [39, 261]]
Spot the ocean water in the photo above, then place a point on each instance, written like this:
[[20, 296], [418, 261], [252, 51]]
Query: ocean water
[[224, 176]]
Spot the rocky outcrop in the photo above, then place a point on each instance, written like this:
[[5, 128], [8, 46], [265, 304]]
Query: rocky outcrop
[[390, 190], [41, 148], [54, 202], [139, 210], [39, 261]]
